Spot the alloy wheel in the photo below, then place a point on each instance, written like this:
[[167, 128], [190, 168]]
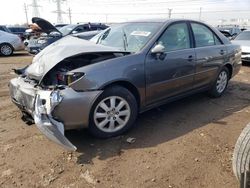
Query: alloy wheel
[[112, 114], [6, 50], [221, 82]]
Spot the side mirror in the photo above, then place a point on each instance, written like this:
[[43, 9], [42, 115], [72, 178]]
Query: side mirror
[[158, 49], [74, 32]]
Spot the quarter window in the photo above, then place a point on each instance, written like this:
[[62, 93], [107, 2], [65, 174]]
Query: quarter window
[[176, 37], [204, 36]]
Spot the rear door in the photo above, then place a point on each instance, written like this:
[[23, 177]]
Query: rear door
[[173, 72], [210, 54]]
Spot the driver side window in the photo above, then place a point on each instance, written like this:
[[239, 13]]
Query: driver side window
[[175, 37]]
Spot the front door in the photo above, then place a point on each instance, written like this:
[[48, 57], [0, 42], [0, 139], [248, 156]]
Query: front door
[[171, 72]]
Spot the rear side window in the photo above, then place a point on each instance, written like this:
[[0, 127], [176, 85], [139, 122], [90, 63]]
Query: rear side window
[[176, 37], [204, 36]]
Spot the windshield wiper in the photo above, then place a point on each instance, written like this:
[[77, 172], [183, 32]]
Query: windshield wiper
[[125, 40]]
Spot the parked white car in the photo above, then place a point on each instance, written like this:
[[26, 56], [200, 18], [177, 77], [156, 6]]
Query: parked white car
[[243, 39], [9, 43]]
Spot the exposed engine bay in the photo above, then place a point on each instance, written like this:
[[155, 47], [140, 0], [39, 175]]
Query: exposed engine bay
[[61, 75]]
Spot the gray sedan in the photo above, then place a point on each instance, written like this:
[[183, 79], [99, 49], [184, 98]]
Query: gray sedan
[[126, 69]]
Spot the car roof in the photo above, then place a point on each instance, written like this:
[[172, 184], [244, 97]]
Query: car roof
[[160, 20]]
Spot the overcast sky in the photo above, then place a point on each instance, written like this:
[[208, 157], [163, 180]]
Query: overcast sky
[[12, 11]]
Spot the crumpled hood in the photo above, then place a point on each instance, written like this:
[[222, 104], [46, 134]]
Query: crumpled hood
[[245, 44], [59, 50]]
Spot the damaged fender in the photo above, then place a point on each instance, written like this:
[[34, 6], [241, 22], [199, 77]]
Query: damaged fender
[[45, 102]]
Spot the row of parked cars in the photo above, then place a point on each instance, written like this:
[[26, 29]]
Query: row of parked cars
[[34, 40]]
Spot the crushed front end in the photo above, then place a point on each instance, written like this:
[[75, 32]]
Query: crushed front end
[[39, 104]]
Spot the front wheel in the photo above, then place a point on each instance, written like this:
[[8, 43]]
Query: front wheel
[[113, 113], [220, 85], [6, 49]]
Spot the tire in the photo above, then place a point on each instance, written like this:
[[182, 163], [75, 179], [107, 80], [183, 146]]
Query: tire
[[220, 84], [241, 155], [107, 122], [6, 49]]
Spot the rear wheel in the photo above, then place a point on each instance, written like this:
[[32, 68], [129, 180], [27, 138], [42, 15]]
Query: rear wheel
[[220, 85], [6, 49], [113, 113]]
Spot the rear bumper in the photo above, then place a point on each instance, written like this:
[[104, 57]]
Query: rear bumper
[[53, 110]]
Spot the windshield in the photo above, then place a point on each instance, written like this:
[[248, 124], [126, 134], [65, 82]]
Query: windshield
[[243, 36], [65, 30], [131, 37]]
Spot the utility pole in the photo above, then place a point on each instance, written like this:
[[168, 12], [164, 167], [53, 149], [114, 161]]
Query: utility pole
[[59, 10], [200, 13], [169, 12], [26, 13], [35, 7], [70, 15], [106, 17]]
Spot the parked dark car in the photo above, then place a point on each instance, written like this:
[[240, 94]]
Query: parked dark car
[[58, 26], [227, 34], [20, 31], [4, 28], [81, 27], [87, 35], [128, 68], [52, 34]]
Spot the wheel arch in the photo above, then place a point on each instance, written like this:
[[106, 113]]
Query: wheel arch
[[230, 69], [129, 86], [8, 44]]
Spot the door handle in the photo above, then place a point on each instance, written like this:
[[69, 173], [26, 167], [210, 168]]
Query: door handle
[[190, 58], [222, 52]]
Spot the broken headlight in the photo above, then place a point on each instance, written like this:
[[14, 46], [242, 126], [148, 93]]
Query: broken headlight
[[66, 78], [55, 99]]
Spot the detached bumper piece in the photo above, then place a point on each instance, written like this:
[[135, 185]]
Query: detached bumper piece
[[45, 102]]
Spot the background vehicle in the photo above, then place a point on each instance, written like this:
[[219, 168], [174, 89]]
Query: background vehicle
[[227, 34], [52, 34], [243, 39], [128, 68], [231, 29], [83, 27], [18, 31], [58, 26], [4, 28], [87, 35], [9, 43]]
